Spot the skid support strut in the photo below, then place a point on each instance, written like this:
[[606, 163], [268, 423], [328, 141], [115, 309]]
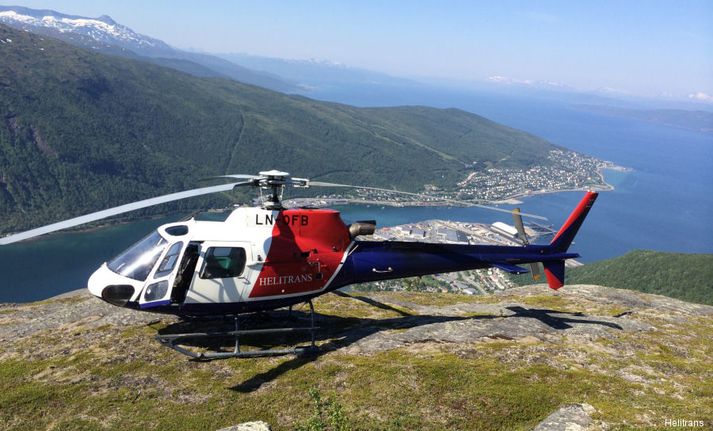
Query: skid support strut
[[174, 341]]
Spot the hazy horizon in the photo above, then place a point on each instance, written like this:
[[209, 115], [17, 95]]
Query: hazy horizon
[[659, 49]]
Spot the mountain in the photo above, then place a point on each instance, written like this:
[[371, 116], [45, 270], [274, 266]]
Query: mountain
[[603, 358], [102, 31], [678, 275], [82, 131], [105, 35], [315, 73]]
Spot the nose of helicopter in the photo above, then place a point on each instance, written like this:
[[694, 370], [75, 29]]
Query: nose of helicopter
[[110, 287]]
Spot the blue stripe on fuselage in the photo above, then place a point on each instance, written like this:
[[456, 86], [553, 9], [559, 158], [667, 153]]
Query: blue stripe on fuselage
[[384, 260]]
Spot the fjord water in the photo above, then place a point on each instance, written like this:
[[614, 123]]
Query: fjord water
[[664, 204]]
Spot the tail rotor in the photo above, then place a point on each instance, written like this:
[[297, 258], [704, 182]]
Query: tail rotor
[[524, 240]]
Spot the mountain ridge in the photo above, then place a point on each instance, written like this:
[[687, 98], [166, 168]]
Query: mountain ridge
[[105, 35], [82, 131]]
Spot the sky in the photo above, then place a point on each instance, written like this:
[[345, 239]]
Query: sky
[[639, 47]]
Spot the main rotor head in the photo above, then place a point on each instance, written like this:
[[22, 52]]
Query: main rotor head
[[274, 182]]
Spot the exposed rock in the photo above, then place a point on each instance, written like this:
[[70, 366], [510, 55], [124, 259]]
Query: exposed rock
[[248, 426], [626, 349], [72, 309], [509, 321], [573, 417]]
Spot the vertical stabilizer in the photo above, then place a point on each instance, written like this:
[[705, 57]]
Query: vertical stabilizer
[[554, 270], [565, 235]]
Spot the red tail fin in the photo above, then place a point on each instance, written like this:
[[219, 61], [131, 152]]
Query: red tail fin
[[554, 270], [565, 235]]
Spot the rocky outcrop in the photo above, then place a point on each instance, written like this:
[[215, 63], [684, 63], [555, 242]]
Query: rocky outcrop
[[574, 417], [585, 357], [248, 426]]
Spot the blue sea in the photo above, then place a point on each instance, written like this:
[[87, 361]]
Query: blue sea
[[664, 203]]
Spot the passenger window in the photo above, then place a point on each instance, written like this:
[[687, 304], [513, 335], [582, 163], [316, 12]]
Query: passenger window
[[223, 262], [169, 262]]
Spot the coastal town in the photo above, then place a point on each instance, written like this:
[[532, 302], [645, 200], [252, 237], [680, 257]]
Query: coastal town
[[568, 170], [565, 171]]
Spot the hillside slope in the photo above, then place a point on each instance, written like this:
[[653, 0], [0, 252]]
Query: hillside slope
[[81, 131], [397, 361], [678, 275]]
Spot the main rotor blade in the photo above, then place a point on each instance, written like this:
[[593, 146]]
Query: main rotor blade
[[323, 184], [239, 176], [117, 210]]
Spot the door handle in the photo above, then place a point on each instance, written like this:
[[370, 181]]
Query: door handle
[[382, 271]]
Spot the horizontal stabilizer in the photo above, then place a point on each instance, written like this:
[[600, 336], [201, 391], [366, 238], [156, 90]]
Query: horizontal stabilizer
[[512, 269]]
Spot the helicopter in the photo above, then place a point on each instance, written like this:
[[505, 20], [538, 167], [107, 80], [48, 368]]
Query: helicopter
[[267, 257]]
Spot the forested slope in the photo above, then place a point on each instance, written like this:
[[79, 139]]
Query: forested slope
[[80, 131], [678, 275]]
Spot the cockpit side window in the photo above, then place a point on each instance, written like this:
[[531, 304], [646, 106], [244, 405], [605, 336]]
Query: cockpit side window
[[169, 261], [223, 262], [139, 259]]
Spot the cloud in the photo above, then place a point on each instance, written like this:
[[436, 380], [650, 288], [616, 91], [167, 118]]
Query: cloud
[[701, 97], [499, 79], [507, 80]]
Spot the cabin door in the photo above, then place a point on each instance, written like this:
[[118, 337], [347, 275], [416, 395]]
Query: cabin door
[[222, 273]]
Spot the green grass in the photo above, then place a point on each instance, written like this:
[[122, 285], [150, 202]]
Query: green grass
[[125, 380]]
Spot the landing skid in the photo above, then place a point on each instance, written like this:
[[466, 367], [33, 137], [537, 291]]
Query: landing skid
[[174, 341]]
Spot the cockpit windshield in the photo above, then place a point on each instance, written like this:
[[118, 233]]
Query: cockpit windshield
[[138, 260]]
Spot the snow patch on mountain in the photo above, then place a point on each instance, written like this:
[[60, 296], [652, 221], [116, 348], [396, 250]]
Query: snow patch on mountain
[[103, 29]]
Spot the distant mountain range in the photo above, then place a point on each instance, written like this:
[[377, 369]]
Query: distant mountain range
[[105, 35], [315, 73], [313, 78], [81, 131], [102, 31]]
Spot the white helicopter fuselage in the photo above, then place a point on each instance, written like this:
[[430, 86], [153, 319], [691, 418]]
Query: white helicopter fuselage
[[255, 257]]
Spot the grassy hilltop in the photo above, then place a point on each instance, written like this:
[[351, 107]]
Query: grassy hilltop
[[82, 131], [392, 361]]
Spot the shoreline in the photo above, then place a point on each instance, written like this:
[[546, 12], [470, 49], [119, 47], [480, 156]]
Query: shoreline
[[603, 187], [508, 200]]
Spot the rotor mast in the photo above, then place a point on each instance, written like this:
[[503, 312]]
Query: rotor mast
[[275, 181]]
